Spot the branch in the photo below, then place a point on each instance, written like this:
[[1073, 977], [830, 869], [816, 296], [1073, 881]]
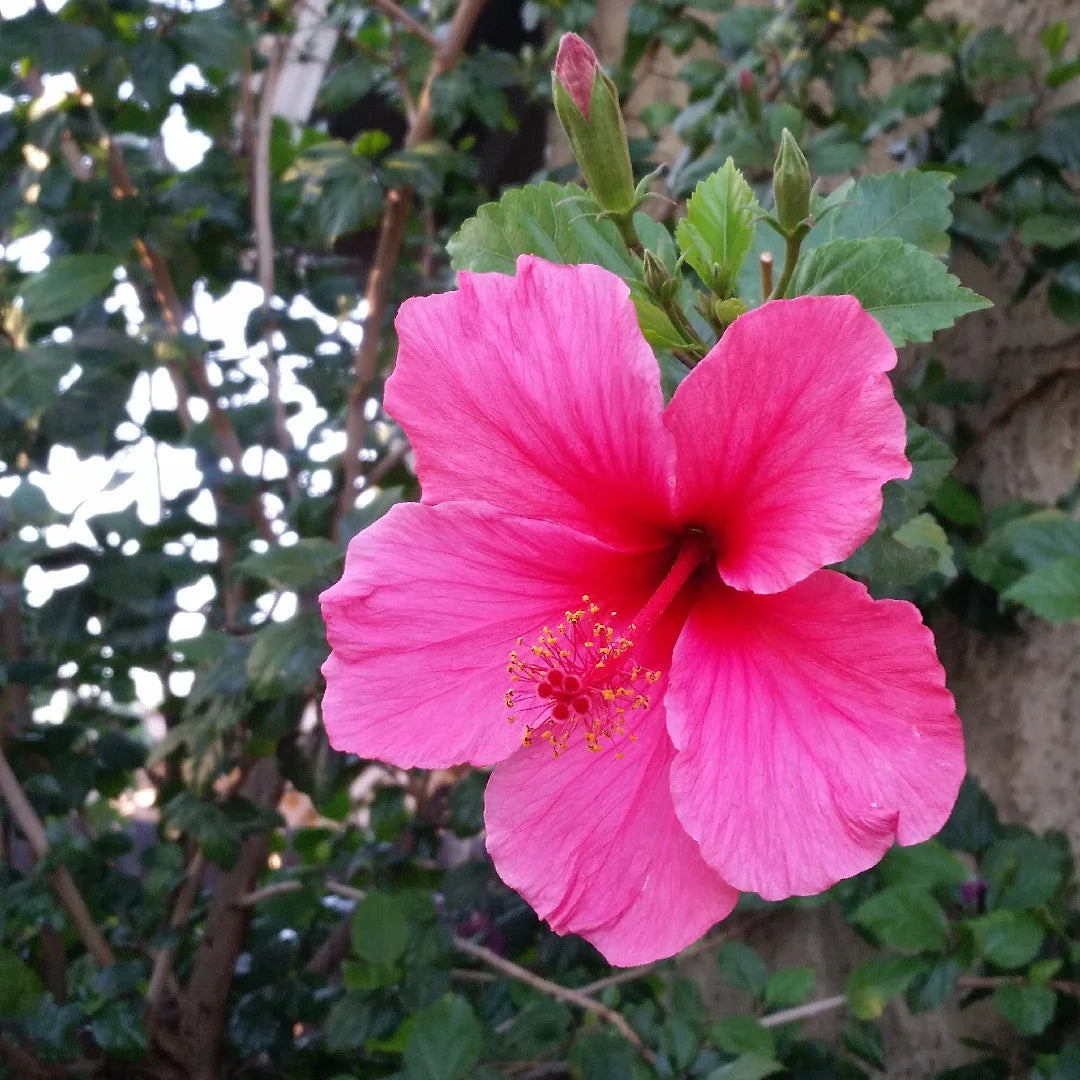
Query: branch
[[561, 993], [387, 251], [202, 1014], [803, 1012], [185, 900], [63, 884], [263, 228], [173, 313], [394, 11]]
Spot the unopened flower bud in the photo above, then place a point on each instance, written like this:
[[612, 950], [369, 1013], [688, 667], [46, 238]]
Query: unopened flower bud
[[587, 105], [791, 184], [655, 274], [751, 95]]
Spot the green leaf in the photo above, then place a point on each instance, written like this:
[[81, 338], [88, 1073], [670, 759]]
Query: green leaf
[[905, 917], [65, 285], [1024, 871], [560, 223], [602, 1055], [863, 1039], [1055, 36], [309, 564], [973, 825], [1052, 592], [928, 865], [747, 1067], [719, 223], [1009, 939], [877, 980], [907, 290], [931, 461], [742, 1035], [1028, 1008], [285, 657], [467, 804], [119, 1030], [445, 1041], [20, 987], [924, 533], [912, 206], [380, 932], [788, 987], [741, 967]]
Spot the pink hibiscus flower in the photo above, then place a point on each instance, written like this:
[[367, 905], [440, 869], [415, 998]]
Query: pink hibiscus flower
[[623, 606]]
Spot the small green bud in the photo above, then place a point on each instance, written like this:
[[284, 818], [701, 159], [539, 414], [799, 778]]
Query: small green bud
[[725, 312], [719, 279], [588, 109], [791, 184], [656, 276]]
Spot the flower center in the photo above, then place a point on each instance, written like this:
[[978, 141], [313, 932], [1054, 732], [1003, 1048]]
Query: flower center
[[582, 674]]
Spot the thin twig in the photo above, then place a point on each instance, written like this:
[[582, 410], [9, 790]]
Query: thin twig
[[185, 900], [388, 249], [395, 11], [560, 993], [268, 892], [62, 882], [262, 225], [803, 1012]]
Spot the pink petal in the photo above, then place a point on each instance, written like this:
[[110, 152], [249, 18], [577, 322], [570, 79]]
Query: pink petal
[[538, 394], [785, 433], [422, 623], [575, 68], [813, 729], [591, 841]]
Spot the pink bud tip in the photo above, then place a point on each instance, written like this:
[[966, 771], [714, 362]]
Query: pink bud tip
[[575, 68], [747, 80]]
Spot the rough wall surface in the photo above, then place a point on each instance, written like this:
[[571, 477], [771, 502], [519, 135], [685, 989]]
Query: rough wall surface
[[1019, 696]]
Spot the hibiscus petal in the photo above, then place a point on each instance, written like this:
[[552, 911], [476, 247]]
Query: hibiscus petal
[[422, 622], [538, 394], [592, 842], [785, 433], [813, 728]]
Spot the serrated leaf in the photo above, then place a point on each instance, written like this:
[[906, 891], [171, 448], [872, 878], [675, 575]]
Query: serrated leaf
[[557, 222], [65, 285], [907, 290], [924, 533], [560, 223], [286, 656], [912, 206], [1009, 939], [1052, 591], [931, 461], [904, 917], [310, 563], [444, 1041], [719, 223], [878, 980], [1028, 1008]]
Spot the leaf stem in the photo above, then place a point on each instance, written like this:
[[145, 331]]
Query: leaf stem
[[792, 246]]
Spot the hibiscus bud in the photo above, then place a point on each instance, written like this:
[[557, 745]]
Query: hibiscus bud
[[791, 184], [657, 279], [588, 109], [751, 96]]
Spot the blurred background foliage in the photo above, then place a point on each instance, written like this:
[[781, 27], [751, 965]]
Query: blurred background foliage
[[196, 290]]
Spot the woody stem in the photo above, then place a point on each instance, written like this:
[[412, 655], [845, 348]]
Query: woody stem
[[694, 551]]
